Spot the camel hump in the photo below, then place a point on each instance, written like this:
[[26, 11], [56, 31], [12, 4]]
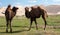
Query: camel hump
[[34, 7], [15, 8]]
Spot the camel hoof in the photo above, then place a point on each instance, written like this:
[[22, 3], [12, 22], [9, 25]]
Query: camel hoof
[[6, 31], [11, 31], [36, 28], [44, 28], [29, 29]]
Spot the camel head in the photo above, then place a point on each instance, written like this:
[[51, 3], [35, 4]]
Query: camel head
[[26, 9], [27, 13], [14, 9]]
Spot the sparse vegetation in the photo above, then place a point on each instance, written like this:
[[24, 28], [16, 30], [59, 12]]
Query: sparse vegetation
[[20, 25]]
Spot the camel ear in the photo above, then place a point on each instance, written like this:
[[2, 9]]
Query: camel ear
[[31, 7], [26, 8]]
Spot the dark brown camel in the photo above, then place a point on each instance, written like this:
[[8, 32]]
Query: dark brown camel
[[9, 14], [35, 12]]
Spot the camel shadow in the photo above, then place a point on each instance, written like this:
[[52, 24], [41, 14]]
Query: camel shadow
[[17, 31], [21, 26]]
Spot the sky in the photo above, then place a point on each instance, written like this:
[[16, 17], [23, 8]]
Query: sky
[[28, 2]]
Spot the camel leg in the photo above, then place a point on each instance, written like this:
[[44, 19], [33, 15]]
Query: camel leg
[[36, 24], [7, 25], [44, 21], [10, 26], [31, 23]]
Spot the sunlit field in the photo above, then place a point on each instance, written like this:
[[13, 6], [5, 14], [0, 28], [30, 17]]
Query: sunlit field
[[20, 25]]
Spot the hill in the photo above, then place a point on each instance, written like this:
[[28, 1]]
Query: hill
[[51, 9]]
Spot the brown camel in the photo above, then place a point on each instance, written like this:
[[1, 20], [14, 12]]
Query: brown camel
[[36, 12], [9, 14]]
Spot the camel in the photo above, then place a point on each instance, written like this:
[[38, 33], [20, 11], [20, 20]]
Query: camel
[[35, 12], [9, 14]]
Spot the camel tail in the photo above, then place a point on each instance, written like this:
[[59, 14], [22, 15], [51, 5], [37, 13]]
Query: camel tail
[[2, 12], [46, 14]]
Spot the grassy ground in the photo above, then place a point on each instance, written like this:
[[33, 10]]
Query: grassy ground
[[20, 26]]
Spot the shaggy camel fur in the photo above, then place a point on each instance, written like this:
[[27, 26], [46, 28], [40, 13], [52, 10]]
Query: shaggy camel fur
[[9, 14], [35, 12]]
